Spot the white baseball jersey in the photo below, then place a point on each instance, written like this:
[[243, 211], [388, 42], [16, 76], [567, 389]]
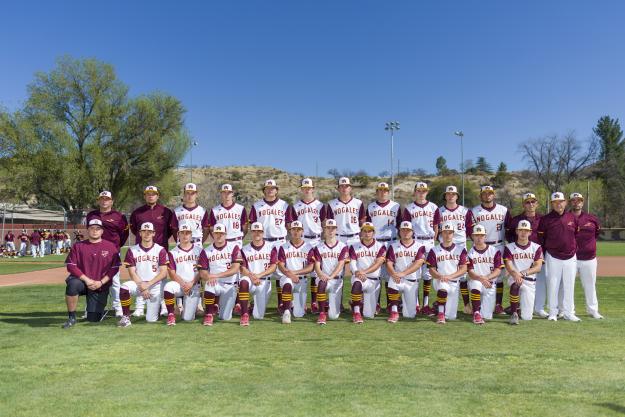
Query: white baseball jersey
[[272, 216], [233, 217], [423, 219], [385, 218], [347, 215], [523, 257], [403, 257], [146, 261], [494, 220], [329, 257], [447, 260], [196, 217], [485, 261], [184, 262], [363, 256], [219, 259], [310, 214], [257, 259], [295, 257], [462, 220]]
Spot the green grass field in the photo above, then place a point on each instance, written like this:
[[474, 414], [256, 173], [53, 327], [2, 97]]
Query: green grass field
[[539, 368]]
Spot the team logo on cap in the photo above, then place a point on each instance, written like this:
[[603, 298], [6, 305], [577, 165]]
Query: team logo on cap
[[190, 187], [367, 226], [95, 222], [557, 196], [147, 226], [479, 230], [487, 189], [421, 186], [150, 189], [344, 181], [105, 194], [529, 196], [270, 183], [297, 225], [307, 183], [257, 227], [448, 227], [184, 227], [382, 186], [405, 225], [221, 228], [330, 223], [451, 189], [524, 225], [226, 187], [576, 195]]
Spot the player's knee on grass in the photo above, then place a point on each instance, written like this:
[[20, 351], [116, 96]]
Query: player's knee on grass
[[74, 286], [94, 316]]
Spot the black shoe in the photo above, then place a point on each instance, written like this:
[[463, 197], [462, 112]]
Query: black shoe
[[69, 323]]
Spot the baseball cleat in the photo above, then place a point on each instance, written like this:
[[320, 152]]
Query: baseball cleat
[[84, 316], [138, 313], [477, 318], [552, 318], [124, 322], [468, 309], [237, 309], [322, 318], [164, 312], [499, 309], [440, 318], [572, 318], [514, 319], [208, 320], [245, 319], [357, 318], [378, 309], [542, 314], [418, 310], [508, 310], [314, 307], [171, 319], [119, 313], [394, 317], [69, 323], [597, 316], [560, 315], [286, 317]]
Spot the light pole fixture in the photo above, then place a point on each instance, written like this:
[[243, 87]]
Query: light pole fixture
[[392, 127], [460, 134]]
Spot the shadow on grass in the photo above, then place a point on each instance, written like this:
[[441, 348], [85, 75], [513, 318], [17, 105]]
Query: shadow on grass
[[614, 407], [34, 318]]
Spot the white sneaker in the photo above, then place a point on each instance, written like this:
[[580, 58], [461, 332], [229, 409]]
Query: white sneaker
[[286, 317], [572, 318], [597, 316], [138, 313], [124, 322], [552, 318], [542, 314], [119, 313]]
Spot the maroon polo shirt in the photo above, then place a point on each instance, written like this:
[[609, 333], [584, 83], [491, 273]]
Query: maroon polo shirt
[[159, 215], [557, 234], [35, 238], [114, 224], [589, 229], [95, 260], [534, 221]]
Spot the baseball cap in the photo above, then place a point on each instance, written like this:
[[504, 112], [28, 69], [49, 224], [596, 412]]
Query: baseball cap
[[367, 226], [405, 225], [257, 227], [524, 225], [297, 225], [330, 223], [184, 227], [576, 195], [307, 183], [105, 194], [147, 226], [190, 187], [529, 196], [557, 196], [451, 189], [226, 188], [487, 189], [344, 181], [382, 186], [95, 222], [421, 186], [270, 183], [479, 230], [221, 228], [447, 227], [150, 189]]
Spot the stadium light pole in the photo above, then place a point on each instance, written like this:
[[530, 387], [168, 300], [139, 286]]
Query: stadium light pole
[[193, 144], [460, 134], [392, 127]]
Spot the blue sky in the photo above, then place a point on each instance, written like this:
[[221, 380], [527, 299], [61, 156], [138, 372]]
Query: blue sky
[[293, 84]]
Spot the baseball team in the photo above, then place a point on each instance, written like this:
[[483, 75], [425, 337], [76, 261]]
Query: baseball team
[[313, 246]]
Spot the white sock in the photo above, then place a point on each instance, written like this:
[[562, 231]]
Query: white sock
[[394, 308], [441, 308], [357, 309]]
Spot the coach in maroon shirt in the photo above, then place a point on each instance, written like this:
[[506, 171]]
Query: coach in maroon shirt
[[91, 263], [557, 232], [155, 213], [588, 232]]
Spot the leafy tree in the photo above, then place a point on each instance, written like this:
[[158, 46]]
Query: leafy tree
[[612, 168], [483, 166], [441, 166], [501, 176]]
